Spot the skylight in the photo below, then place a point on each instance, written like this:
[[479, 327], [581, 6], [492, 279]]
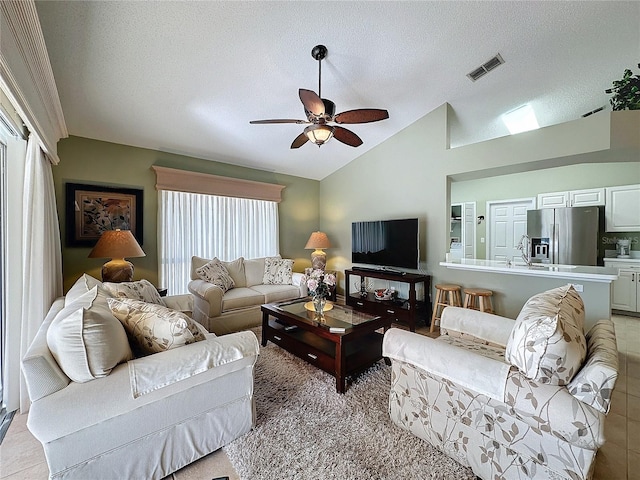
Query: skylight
[[521, 119]]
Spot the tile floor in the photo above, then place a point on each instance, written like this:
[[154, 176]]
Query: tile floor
[[22, 458]]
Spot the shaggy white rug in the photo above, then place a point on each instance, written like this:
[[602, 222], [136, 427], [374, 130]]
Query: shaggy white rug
[[307, 431]]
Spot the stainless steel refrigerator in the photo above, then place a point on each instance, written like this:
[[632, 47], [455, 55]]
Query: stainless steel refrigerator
[[566, 236]]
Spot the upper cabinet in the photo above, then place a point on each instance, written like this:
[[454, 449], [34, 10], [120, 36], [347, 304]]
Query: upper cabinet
[[622, 210], [574, 198]]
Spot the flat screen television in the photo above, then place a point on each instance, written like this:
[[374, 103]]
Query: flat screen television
[[386, 243]]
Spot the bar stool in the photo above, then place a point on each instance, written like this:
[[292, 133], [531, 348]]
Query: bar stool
[[446, 295], [478, 299]]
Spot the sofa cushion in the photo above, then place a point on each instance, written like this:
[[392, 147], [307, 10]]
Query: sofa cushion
[[216, 273], [86, 339], [142, 290], [80, 287], [241, 298], [547, 343], [254, 271], [277, 293], [155, 328], [277, 271]]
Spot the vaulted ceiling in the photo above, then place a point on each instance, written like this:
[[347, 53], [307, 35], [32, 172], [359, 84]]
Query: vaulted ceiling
[[187, 77]]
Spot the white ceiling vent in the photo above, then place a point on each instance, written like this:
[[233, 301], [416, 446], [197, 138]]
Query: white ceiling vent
[[485, 67]]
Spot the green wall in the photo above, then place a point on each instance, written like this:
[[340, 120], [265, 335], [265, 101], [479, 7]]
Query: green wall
[[530, 184], [83, 160]]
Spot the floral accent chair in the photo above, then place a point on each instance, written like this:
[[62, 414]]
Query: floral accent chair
[[511, 399]]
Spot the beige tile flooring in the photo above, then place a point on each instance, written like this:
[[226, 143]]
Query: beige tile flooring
[[22, 458]]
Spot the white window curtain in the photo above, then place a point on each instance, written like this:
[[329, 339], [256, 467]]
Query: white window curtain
[[40, 273], [211, 226]]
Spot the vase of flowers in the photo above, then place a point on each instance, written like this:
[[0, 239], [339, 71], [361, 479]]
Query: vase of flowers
[[319, 285]]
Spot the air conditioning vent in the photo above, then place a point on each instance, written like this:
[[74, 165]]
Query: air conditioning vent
[[486, 67]]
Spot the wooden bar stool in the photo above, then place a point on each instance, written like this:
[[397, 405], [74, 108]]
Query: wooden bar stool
[[446, 295], [478, 299]]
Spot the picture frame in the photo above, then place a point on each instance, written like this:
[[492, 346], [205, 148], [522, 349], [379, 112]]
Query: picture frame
[[92, 209]]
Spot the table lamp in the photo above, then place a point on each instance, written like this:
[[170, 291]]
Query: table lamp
[[117, 244], [318, 241]]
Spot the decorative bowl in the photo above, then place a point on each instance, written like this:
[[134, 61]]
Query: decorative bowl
[[383, 294], [327, 306]]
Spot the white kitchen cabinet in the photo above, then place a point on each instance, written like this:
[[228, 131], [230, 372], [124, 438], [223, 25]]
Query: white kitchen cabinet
[[553, 200], [573, 198], [586, 198], [625, 291], [622, 210]]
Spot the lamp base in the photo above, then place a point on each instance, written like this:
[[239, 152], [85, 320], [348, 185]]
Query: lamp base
[[318, 260], [117, 271]]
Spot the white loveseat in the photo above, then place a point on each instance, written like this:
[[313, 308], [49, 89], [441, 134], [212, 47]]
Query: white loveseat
[[238, 308], [149, 416], [512, 400]]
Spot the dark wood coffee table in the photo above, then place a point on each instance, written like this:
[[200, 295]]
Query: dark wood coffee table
[[343, 342]]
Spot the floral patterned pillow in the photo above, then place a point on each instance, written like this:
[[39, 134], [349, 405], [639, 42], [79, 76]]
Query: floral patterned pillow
[[154, 328], [547, 343], [215, 272], [142, 290], [277, 271]]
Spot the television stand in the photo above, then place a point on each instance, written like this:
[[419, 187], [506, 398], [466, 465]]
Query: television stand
[[409, 311]]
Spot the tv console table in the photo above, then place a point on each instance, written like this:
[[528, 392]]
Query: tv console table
[[408, 311]]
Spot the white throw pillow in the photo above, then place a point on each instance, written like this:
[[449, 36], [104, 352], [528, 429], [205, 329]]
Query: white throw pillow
[[86, 339], [155, 328], [277, 271], [547, 343], [142, 290], [82, 286], [215, 272]]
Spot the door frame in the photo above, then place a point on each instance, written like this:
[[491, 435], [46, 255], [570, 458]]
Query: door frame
[[491, 203]]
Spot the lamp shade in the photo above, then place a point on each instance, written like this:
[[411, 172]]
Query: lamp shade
[[319, 134], [318, 240], [116, 244]]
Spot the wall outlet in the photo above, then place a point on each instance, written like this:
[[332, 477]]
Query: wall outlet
[[578, 287], [481, 239]]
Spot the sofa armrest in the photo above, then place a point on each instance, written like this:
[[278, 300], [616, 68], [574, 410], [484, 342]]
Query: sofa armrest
[[464, 367], [161, 369], [182, 303], [207, 296], [300, 281], [483, 326]]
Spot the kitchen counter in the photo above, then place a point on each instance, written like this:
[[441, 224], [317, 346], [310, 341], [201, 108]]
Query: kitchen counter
[[616, 260], [570, 272]]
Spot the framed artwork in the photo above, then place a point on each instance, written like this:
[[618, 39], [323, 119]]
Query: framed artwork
[[92, 209]]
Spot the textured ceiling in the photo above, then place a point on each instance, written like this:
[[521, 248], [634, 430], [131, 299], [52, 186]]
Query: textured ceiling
[[187, 77]]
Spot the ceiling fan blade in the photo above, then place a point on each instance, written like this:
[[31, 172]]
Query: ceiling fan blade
[[299, 141], [346, 136], [362, 115], [312, 102], [278, 120]]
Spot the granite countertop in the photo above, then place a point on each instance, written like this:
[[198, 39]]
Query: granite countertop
[[622, 260], [595, 274]]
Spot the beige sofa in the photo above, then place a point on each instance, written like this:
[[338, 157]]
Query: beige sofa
[[238, 308], [512, 400], [145, 418]]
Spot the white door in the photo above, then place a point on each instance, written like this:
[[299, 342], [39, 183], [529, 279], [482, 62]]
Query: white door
[[506, 224], [469, 229]]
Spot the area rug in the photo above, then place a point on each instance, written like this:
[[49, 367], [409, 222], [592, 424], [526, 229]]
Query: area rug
[[306, 431]]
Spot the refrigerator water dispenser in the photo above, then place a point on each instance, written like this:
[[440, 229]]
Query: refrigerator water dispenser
[[540, 250]]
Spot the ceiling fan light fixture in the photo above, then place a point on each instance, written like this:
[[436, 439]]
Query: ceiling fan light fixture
[[319, 134]]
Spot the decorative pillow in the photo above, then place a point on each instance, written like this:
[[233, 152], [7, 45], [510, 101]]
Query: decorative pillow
[[215, 272], [82, 286], [154, 328], [86, 339], [142, 290], [547, 343], [277, 271], [235, 270]]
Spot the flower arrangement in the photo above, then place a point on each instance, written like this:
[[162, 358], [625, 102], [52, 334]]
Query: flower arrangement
[[318, 283]]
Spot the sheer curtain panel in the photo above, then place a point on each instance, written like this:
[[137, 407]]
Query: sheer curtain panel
[[211, 226]]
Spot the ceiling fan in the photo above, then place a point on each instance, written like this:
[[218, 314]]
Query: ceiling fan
[[320, 112]]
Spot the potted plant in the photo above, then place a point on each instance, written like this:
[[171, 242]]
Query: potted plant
[[626, 92]]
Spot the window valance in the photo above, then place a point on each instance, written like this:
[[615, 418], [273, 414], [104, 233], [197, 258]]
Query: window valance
[[194, 182]]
